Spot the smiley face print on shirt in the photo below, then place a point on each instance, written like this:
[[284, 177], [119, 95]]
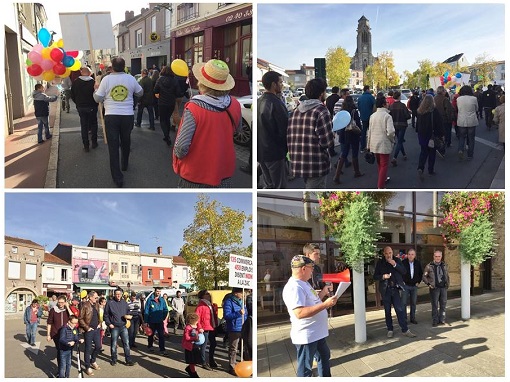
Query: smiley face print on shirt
[[119, 93]]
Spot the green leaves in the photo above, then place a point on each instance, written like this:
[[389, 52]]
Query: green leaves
[[477, 241]]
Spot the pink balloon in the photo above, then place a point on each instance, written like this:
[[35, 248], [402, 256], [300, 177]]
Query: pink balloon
[[56, 54], [59, 69], [47, 64], [35, 57], [37, 48], [72, 53]]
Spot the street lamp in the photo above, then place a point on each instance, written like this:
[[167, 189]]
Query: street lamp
[[158, 7]]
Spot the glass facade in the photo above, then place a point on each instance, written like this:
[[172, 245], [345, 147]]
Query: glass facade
[[286, 221]]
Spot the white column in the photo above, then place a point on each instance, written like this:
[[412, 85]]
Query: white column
[[465, 289], [360, 321]]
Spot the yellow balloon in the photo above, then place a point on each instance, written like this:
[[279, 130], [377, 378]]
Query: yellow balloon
[[60, 43], [179, 67], [244, 369], [45, 53], [66, 74], [76, 65], [83, 293], [48, 75]]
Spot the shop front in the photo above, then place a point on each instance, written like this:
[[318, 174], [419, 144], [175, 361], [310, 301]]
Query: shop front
[[289, 220], [18, 299], [227, 37]]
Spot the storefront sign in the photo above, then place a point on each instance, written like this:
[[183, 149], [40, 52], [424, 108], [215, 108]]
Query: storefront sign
[[240, 272], [188, 30]]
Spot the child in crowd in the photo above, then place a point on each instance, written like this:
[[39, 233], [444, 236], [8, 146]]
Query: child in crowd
[[42, 111], [69, 336], [189, 343]]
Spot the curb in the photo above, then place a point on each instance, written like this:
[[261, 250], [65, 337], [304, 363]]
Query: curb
[[51, 172]]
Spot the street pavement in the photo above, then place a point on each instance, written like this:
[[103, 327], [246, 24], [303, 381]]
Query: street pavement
[[24, 361], [473, 348], [62, 163], [485, 171]]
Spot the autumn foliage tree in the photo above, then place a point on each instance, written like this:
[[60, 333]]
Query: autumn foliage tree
[[215, 233], [337, 67]]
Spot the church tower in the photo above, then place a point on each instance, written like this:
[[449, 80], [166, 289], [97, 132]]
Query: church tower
[[363, 56]]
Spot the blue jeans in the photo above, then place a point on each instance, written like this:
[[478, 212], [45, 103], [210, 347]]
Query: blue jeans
[[438, 297], [469, 134], [363, 138], [64, 369], [31, 331], [392, 297], [410, 294], [91, 337], [133, 330], [118, 132], [43, 122], [305, 355], [210, 336], [150, 110], [157, 327], [399, 147], [124, 336]]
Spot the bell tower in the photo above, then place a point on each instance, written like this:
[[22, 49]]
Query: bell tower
[[363, 56]]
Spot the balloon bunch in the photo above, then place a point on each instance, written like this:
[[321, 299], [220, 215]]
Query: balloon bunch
[[451, 81], [45, 61]]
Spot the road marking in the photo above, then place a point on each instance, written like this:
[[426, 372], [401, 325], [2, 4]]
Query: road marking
[[495, 146], [33, 349]]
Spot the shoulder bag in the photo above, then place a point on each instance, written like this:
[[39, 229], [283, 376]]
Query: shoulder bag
[[352, 126]]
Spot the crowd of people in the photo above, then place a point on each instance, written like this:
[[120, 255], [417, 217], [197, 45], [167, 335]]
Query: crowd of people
[[129, 315], [302, 144], [205, 122]]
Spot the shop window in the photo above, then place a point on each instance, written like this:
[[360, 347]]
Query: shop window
[[194, 49], [124, 268], [230, 48]]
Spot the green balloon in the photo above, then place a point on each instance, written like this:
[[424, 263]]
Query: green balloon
[[28, 62]]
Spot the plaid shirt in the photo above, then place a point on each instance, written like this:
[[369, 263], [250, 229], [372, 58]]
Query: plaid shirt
[[309, 136]]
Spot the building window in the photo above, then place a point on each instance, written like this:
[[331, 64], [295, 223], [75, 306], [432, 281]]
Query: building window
[[50, 273], [194, 48], [31, 272], [153, 24], [85, 255], [123, 268], [155, 261], [84, 273], [168, 20], [115, 267], [63, 275], [185, 274], [223, 5], [187, 11], [149, 274], [139, 41], [31, 252], [14, 249], [14, 271], [161, 274], [134, 269]]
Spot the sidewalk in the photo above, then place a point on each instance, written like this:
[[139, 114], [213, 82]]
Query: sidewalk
[[474, 348]]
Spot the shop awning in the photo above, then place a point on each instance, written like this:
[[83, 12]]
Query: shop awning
[[94, 286], [185, 285], [56, 290]]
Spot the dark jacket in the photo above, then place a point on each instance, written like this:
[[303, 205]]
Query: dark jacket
[[272, 123], [41, 103], [183, 88], [429, 123], [148, 96], [167, 88], [395, 281], [115, 311], [86, 315], [400, 114], [489, 99], [57, 320], [417, 275], [82, 92], [429, 274], [27, 314], [330, 103], [444, 107], [67, 335], [414, 103]]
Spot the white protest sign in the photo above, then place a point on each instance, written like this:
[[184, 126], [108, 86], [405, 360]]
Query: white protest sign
[[84, 31], [240, 272]]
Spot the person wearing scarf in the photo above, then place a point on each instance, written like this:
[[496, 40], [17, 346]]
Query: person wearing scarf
[[437, 278], [208, 313], [58, 317]]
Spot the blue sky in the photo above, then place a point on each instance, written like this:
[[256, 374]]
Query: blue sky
[[147, 219], [292, 34]]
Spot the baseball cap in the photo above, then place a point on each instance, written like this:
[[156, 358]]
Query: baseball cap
[[299, 261]]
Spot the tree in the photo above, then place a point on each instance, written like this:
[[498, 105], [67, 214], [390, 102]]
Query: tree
[[338, 63], [383, 71], [485, 68], [215, 233]]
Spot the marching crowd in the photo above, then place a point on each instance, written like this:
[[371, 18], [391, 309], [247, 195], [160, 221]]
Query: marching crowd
[[125, 315], [303, 144]]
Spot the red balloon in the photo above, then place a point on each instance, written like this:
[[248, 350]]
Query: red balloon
[[449, 78], [59, 69], [56, 54], [72, 53], [101, 66], [34, 70]]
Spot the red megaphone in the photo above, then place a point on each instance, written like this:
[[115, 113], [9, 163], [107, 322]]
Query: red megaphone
[[344, 276]]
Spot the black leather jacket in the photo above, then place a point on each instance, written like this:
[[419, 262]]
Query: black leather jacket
[[396, 280], [272, 122]]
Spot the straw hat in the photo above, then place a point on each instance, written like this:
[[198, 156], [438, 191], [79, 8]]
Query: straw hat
[[214, 74]]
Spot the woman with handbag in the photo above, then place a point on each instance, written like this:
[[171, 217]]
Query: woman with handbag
[[352, 136], [380, 138], [429, 124], [467, 120]]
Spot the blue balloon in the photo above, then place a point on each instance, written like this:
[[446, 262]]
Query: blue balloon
[[68, 61], [44, 37], [201, 339], [341, 120], [458, 75]]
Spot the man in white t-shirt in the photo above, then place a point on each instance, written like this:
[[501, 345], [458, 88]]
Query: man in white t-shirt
[[117, 90], [308, 317]]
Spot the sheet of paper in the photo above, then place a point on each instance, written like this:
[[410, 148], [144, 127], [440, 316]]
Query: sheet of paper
[[342, 287]]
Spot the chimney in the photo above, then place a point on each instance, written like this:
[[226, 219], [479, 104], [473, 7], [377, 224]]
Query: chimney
[[160, 250], [93, 240]]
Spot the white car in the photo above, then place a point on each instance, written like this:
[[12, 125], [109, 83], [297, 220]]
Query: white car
[[243, 138]]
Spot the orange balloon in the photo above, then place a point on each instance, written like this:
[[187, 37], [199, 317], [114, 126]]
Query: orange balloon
[[244, 369], [48, 75]]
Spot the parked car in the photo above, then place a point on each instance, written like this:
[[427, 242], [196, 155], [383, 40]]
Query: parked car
[[243, 138], [406, 92]]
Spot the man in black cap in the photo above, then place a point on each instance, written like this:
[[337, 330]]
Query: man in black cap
[[308, 317], [154, 314]]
